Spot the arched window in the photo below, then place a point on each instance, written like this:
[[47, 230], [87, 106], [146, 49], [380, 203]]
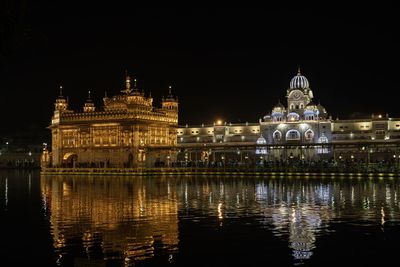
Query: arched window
[[293, 135], [277, 135], [309, 135]]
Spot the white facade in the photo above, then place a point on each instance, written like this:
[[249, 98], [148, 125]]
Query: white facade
[[299, 122]]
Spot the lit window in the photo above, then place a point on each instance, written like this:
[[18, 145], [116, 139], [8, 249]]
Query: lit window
[[293, 135], [309, 135], [277, 135]]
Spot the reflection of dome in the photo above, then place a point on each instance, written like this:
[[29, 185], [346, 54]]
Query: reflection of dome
[[299, 81]]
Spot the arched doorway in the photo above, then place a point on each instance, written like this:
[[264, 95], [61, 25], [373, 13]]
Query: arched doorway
[[70, 159]]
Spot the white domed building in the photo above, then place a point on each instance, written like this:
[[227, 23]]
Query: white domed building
[[300, 122], [296, 129]]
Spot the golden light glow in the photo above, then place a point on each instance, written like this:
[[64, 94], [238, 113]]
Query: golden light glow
[[219, 122], [220, 211], [109, 137]]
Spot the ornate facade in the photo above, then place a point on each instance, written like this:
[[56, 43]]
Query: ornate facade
[[128, 132], [300, 126]]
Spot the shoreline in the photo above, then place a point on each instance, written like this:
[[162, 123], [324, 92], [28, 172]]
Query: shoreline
[[211, 172]]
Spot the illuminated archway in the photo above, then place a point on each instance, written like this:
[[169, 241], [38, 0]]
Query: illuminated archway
[[293, 135], [70, 159]]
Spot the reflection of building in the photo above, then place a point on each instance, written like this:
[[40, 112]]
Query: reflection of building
[[126, 219], [128, 132], [300, 125]]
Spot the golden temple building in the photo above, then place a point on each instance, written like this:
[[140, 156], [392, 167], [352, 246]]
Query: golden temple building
[[128, 132]]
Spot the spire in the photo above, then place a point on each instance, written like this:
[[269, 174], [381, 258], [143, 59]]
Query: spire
[[298, 70], [61, 102], [105, 94], [128, 89], [134, 83], [89, 97], [61, 91], [127, 82]]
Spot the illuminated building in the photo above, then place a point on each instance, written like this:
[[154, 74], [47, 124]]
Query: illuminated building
[[128, 132], [295, 131]]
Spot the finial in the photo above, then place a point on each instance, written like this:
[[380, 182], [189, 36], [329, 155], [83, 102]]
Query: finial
[[105, 94], [127, 82], [61, 93], [150, 94], [89, 95], [169, 90], [298, 70], [134, 83]]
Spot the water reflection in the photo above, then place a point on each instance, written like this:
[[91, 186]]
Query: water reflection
[[132, 220], [114, 218], [298, 210]]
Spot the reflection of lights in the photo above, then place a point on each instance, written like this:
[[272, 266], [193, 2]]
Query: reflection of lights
[[6, 192], [382, 216], [293, 215], [60, 242], [59, 259], [220, 211]]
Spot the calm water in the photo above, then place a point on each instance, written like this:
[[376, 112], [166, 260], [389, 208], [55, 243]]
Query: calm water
[[197, 221]]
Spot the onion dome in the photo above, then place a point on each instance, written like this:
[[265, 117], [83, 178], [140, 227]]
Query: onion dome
[[299, 81], [278, 108], [311, 106]]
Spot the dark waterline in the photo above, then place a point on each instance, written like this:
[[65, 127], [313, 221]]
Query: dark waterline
[[197, 221]]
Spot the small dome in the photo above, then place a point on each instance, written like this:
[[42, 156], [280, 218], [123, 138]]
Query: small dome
[[311, 105], [299, 82], [321, 108], [278, 108], [261, 140]]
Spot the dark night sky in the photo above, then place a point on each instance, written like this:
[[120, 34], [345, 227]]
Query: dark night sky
[[223, 63]]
